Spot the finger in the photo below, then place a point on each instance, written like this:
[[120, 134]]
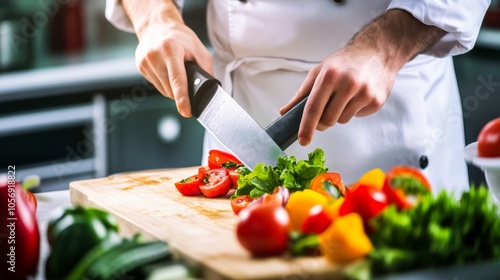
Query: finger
[[204, 60], [303, 91], [368, 110], [318, 98], [360, 100], [159, 80], [155, 72], [345, 89], [178, 84]]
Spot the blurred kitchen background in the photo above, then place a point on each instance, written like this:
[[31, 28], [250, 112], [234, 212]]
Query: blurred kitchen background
[[73, 106]]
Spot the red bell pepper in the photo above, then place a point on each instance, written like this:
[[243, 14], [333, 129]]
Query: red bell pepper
[[19, 233]]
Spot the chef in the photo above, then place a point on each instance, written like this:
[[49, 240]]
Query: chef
[[379, 74]]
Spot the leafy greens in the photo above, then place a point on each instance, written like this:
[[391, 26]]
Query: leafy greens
[[288, 172], [439, 231]]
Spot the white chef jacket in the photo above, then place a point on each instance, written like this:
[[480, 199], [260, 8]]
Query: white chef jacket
[[263, 50]]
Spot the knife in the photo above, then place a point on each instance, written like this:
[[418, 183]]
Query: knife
[[236, 129]]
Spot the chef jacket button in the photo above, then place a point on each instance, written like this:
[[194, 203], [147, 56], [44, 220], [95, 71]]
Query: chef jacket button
[[423, 162]]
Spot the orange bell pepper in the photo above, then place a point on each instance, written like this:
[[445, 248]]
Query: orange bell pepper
[[345, 240]]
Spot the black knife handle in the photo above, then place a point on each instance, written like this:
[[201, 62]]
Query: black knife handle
[[201, 87], [284, 130]]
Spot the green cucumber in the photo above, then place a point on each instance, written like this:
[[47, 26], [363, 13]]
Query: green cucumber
[[79, 270], [127, 256]]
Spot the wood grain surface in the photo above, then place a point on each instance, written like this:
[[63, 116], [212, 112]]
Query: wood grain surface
[[200, 230]]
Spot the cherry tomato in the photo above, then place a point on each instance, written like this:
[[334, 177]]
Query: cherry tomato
[[404, 185], [238, 203], [488, 141], [368, 202], [317, 221], [329, 183], [263, 229], [191, 185], [216, 183], [221, 159]]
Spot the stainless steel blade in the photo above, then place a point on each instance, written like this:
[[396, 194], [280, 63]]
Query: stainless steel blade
[[238, 132]]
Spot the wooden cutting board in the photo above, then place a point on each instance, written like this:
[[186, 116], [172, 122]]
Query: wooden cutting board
[[200, 230]]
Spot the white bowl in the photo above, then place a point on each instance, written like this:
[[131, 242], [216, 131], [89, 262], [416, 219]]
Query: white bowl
[[490, 167]]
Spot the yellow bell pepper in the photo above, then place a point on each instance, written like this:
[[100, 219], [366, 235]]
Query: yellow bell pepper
[[333, 208], [300, 203], [374, 178], [345, 240]]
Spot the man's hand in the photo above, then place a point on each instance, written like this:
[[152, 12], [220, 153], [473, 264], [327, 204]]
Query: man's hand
[[165, 43], [356, 80]]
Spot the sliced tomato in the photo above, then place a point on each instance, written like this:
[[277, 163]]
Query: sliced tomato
[[330, 184], [216, 183], [234, 175], [222, 159], [404, 185], [191, 185], [240, 202], [401, 173], [317, 221]]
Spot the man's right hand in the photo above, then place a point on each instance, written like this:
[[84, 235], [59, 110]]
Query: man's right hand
[[165, 43]]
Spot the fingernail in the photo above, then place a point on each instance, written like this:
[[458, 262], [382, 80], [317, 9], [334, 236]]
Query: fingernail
[[303, 141], [185, 114]]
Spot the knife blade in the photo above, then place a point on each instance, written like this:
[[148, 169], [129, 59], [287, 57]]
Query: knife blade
[[235, 128]]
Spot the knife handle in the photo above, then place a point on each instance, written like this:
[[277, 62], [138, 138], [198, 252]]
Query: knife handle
[[201, 87], [284, 130]]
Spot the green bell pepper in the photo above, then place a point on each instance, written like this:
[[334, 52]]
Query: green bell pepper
[[73, 232]]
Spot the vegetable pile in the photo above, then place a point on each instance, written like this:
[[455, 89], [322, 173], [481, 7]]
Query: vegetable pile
[[389, 219]]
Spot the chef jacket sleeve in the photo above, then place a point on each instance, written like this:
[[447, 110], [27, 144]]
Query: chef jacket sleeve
[[461, 19], [116, 15]]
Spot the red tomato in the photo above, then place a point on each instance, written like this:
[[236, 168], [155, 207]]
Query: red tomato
[[329, 184], [221, 159], [234, 175], [317, 220], [263, 229], [366, 201], [238, 203], [216, 183], [403, 182], [191, 185], [488, 141], [408, 172]]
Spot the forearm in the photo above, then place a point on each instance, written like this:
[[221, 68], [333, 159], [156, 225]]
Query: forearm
[[141, 13], [397, 37]]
